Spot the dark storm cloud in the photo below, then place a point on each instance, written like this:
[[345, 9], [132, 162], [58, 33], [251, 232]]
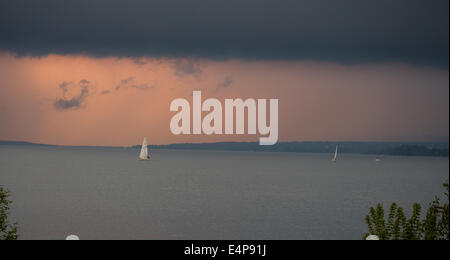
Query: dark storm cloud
[[74, 94], [346, 31], [66, 104], [227, 81], [76, 101], [139, 61], [130, 83], [64, 86], [186, 67], [123, 83]]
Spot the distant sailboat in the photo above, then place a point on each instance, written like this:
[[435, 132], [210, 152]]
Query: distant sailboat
[[335, 155], [144, 151]]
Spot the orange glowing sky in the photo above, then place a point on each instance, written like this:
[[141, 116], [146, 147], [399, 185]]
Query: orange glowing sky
[[317, 100]]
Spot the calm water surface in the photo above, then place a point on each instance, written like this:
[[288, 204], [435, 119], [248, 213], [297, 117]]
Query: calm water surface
[[108, 194]]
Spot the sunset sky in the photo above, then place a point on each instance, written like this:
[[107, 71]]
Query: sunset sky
[[105, 72]]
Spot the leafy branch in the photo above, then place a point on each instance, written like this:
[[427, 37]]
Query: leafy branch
[[7, 231], [435, 225]]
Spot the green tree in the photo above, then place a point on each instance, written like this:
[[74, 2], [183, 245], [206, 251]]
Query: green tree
[[412, 229], [7, 231], [435, 226], [375, 221], [397, 226], [436, 223], [443, 224]]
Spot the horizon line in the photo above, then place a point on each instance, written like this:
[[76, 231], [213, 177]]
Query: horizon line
[[224, 142]]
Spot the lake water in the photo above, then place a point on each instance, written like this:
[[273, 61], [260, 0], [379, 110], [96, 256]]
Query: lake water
[[108, 194]]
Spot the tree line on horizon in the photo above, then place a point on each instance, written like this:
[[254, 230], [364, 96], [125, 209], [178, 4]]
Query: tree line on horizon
[[432, 149], [370, 148]]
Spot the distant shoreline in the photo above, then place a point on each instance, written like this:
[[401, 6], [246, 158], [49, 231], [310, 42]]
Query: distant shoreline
[[430, 149]]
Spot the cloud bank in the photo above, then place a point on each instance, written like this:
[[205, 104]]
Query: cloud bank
[[345, 31]]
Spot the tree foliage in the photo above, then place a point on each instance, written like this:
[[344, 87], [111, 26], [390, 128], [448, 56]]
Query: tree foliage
[[435, 225], [7, 231]]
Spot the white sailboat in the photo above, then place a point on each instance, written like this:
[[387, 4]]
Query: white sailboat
[[335, 155], [144, 156]]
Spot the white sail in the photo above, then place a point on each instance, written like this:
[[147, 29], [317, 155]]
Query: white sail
[[144, 151], [335, 154]]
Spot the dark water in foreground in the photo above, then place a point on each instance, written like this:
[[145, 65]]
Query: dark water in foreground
[[109, 194]]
